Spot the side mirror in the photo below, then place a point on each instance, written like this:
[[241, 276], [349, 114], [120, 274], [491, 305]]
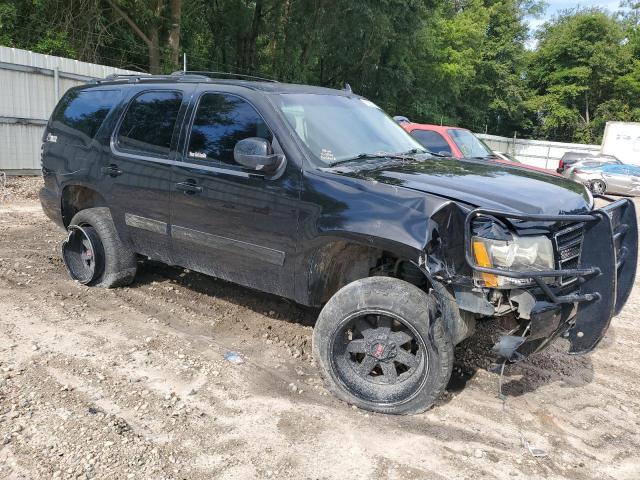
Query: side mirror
[[400, 119], [255, 154]]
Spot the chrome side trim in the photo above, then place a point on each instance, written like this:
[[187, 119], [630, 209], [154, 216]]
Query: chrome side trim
[[230, 245], [143, 223]]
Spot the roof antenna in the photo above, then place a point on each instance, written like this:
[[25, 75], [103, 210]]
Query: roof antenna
[[347, 88]]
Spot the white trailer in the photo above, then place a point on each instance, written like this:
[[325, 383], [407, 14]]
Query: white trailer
[[622, 139]]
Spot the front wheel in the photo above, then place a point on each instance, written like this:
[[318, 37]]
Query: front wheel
[[382, 346], [597, 187]]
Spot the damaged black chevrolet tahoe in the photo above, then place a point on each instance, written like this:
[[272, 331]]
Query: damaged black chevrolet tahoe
[[318, 196]]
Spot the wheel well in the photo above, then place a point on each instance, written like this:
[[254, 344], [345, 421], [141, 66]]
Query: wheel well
[[335, 265], [340, 263], [76, 198]]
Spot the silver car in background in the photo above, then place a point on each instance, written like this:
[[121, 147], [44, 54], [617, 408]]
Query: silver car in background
[[600, 178], [569, 159]]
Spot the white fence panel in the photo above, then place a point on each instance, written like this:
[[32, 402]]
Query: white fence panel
[[30, 86], [539, 153], [20, 148]]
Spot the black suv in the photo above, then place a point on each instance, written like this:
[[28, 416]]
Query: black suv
[[317, 195]]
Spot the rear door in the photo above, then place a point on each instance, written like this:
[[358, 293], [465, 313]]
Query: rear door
[[137, 168], [227, 221], [617, 178]]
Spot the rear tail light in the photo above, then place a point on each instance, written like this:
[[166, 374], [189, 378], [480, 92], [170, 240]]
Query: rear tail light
[[561, 164]]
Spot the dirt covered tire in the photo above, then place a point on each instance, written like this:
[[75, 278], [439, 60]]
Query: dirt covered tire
[[381, 345], [118, 263]]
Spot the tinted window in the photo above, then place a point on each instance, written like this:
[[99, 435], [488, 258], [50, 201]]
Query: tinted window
[[220, 122], [81, 112], [571, 157], [148, 124], [433, 141], [335, 128], [469, 144]]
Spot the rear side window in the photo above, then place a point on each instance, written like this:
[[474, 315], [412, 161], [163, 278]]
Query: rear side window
[[80, 113], [147, 126], [432, 141], [221, 121]]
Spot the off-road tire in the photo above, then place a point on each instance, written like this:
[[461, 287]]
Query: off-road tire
[[120, 262], [406, 301]]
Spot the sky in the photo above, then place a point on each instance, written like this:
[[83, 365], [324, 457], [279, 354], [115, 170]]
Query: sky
[[556, 6], [553, 6]]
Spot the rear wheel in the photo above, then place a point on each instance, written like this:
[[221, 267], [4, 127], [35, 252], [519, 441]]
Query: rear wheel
[[597, 187], [93, 252], [83, 253], [382, 346]]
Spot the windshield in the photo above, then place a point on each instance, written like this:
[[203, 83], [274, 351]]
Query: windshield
[[469, 144], [337, 128]]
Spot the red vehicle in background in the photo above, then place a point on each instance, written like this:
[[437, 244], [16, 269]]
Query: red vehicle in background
[[450, 141], [456, 142]]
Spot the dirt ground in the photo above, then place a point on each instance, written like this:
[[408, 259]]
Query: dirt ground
[[132, 383]]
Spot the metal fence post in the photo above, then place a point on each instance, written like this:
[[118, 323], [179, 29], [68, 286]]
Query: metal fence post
[[546, 162], [56, 84]]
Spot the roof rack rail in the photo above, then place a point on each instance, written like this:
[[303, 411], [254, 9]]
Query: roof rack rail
[[125, 76], [239, 76], [132, 78]]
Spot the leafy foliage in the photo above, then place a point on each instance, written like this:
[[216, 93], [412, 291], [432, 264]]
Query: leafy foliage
[[462, 62]]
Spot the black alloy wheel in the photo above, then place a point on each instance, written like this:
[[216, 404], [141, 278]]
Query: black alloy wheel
[[379, 357], [381, 345]]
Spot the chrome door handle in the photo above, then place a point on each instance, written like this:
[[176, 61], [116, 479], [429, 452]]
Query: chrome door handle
[[112, 170], [188, 188]]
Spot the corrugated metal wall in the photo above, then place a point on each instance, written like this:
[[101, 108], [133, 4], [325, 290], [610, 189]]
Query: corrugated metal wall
[[30, 86]]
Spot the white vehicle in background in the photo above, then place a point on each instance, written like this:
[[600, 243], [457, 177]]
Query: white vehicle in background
[[622, 140]]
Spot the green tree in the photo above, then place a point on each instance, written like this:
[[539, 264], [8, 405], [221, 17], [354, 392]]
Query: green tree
[[470, 65], [155, 22], [573, 74]]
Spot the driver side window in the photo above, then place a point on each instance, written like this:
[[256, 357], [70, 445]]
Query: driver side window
[[221, 121]]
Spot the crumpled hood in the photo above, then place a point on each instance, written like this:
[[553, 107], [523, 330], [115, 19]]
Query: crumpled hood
[[486, 184]]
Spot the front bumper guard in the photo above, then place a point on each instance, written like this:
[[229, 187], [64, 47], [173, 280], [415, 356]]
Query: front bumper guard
[[607, 270]]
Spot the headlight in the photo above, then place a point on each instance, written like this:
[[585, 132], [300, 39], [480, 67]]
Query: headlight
[[519, 254]]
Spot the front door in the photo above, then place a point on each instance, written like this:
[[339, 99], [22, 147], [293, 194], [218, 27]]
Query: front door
[[227, 221], [137, 168]]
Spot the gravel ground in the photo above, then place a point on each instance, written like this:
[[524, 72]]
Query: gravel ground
[[132, 383]]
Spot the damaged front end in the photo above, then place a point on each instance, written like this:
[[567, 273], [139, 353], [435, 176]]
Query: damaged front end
[[575, 294], [560, 274]]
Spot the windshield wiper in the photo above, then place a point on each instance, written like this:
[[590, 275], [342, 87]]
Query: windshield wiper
[[435, 154], [367, 156]]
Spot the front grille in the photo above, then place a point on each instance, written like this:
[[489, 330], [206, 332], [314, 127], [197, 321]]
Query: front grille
[[568, 243], [619, 229]]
